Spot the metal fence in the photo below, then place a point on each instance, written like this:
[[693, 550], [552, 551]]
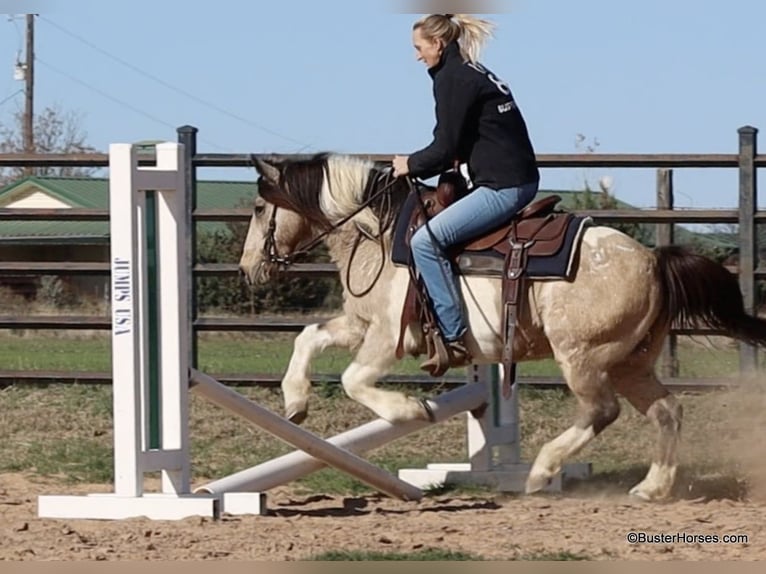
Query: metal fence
[[746, 216]]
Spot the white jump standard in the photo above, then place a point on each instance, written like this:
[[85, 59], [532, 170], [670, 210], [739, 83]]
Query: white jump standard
[[147, 208]]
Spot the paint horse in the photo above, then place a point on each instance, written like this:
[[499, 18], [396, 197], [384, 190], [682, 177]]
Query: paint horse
[[604, 325]]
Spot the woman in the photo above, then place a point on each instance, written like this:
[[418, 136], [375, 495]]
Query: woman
[[477, 123]]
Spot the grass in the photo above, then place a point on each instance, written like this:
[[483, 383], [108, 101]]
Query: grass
[[433, 555], [66, 431], [427, 555], [227, 353], [218, 353]]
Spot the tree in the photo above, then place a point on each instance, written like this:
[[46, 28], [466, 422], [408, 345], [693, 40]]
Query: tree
[[591, 200], [55, 131]]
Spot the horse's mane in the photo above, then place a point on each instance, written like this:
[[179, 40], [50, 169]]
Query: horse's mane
[[299, 181], [326, 187]]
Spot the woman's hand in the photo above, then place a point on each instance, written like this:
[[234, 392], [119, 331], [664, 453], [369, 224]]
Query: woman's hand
[[400, 165]]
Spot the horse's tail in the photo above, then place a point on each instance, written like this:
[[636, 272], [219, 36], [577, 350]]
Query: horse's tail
[[698, 293]]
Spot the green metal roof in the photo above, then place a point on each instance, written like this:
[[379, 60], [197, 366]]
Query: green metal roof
[[93, 193]]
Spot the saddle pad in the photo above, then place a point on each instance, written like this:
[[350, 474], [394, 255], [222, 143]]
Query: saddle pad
[[490, 262], [400, 253], [560, 265]]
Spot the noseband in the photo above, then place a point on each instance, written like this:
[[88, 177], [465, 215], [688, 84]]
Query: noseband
[[270, 245]]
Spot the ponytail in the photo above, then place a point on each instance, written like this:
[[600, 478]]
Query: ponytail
[[470, 32], [474, 33]]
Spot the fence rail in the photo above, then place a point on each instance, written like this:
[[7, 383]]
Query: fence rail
[[617, 160], [746, 215], [243, 215], [271, 381]]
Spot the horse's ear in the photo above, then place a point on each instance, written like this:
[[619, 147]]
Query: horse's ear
[[266, 169]]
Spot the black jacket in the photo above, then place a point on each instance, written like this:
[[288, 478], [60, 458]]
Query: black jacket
[[478, 123]]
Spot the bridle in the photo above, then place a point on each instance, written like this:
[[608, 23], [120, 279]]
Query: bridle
[[388, 180]]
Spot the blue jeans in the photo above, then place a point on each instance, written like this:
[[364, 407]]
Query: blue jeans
[[480, 211]]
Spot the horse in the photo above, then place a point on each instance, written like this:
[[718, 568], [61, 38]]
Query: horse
[[604, 326]]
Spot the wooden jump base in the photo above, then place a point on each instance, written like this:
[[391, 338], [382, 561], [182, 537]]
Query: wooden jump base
[[152, 379]]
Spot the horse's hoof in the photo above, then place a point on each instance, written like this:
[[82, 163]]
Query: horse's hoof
[[297, 412], [478, 412], [429, 413], [639, 495], [537, 482], [642, 495]]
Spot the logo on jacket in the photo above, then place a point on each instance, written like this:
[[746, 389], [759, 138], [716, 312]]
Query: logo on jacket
[[499, 84], [506, 107]]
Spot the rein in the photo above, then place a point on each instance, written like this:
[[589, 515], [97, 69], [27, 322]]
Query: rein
[[273, 256]]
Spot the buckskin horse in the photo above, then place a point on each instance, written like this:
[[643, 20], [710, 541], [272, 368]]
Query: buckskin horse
[[603, 320]]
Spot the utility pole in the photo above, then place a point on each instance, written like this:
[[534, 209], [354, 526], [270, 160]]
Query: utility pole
[[29, 89]]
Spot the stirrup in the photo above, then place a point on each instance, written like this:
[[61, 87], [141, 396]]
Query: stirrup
[[444, 356]]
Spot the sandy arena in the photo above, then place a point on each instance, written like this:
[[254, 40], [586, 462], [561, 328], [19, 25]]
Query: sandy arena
[[580, 524]]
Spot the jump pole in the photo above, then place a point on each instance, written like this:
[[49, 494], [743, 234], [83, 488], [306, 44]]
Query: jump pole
[[309, 443], [493, 453], [376, 433]]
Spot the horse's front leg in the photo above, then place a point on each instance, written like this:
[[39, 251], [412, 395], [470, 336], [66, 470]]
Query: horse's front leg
[[373, 360], [315, 338]]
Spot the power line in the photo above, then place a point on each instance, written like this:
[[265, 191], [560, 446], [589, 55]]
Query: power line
[[118, 101], [176, 89], [13, 95]]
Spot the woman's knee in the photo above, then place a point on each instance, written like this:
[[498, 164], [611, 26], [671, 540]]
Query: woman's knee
[[421, 241]]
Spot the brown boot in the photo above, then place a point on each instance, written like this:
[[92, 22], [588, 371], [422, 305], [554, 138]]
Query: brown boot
[[446, 356]]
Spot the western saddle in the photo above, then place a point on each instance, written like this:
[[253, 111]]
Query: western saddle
[[537, 230]]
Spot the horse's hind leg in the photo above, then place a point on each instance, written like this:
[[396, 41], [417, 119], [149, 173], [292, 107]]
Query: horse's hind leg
[[640, 386], [296, 385], [598, 408]]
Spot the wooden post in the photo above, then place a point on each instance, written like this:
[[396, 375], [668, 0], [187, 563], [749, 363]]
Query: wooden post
[[748, 253], [664, 235]]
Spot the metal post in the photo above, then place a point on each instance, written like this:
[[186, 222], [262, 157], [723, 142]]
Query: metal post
[[187, 136], [748, 252], [665, 236]]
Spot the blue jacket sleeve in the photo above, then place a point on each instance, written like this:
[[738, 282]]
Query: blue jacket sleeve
[[454, 99]]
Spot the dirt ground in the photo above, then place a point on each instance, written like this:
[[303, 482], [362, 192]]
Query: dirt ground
[[592, 525]]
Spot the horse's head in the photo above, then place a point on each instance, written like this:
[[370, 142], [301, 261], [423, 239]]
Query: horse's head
[[304, 201], [276, 225]]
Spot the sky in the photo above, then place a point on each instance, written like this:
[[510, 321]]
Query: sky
[[655, 76]]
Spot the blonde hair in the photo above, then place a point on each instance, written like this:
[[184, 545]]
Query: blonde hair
[[470, 32]]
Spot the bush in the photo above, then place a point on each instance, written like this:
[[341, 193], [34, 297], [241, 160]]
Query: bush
[[231, 294], [56, 293]]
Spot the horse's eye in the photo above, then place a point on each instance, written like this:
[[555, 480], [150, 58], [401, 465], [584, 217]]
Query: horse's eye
[[259, 210]]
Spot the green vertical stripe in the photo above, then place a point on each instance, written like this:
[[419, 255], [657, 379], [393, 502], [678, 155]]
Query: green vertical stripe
[[153, 323], [496, 394]]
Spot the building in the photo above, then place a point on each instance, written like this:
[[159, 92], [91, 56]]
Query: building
[[82, 241]]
